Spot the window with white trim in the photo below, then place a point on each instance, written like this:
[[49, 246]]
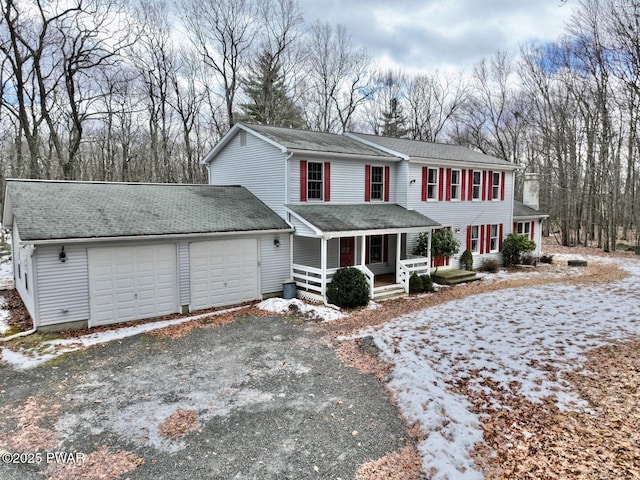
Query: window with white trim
[[314, 181], [455, 184], [377, 183], [432, 184], [375, 248], [475, 239], [494, 244], [477, 185], [524, 228], [495, 186]]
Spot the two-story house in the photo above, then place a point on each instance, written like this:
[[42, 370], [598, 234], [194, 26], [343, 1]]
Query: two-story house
[[360, 200]]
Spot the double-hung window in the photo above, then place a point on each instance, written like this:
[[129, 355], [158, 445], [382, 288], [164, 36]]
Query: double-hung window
[[314, 181], [493, 238], [375, 248], [432, 184], [495, 186], [377, 183], [474, 241], [477, 185], [455, 184], [524, 228]]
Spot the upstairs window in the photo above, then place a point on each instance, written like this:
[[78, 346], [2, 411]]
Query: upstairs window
[[314, 181], [377, 183], [455, 184], [477, 185], [495, 186], [432, 184]]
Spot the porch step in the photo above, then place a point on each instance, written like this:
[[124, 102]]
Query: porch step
[[388, 291], [454, 276]]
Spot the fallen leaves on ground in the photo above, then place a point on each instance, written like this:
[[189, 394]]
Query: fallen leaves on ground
[[24, 425], [400, 465], [103, 464], [180, 423], [537, 440]]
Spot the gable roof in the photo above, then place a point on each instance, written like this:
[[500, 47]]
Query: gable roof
[[520, 210], [47, 210], [305, 142], [419, 150], [361, 217]]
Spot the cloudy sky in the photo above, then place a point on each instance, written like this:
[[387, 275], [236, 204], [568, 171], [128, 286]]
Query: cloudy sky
[[421, 35]]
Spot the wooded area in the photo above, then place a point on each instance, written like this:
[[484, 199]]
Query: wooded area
[[121, 90]]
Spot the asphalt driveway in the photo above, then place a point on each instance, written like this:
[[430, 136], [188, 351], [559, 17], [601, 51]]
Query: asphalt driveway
[[271, 400]]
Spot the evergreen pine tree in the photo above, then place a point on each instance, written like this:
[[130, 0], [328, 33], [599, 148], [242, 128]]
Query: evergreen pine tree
[[394, 120]]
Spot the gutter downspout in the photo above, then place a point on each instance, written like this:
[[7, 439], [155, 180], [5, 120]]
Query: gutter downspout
[[19, 334]]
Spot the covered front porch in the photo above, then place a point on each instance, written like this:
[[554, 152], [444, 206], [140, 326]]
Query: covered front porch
[[371, 238]]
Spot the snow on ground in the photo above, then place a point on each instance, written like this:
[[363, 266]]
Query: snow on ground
[[506, 336], [29, 357], [296, 306]]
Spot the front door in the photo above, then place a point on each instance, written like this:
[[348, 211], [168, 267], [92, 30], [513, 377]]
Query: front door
[[347, 251]]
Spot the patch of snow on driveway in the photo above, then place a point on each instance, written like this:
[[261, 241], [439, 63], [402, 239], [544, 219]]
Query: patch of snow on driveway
[[295, 306], [518, 339]]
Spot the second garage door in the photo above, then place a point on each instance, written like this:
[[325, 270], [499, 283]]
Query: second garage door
[[223, 272]]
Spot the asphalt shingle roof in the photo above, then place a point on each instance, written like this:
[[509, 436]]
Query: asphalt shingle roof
[[416, 149], [343, 218], [307, 140], [521, 210], [46, 210]]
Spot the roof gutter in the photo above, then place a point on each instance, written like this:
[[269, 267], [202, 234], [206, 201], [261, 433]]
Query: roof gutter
[[186, 236], [381, 231], [346, 156]]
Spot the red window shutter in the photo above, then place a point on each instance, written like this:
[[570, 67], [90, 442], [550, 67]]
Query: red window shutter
[[481, 239], [515, 227], [533, 223], [425, 173], [327, 181], [502, 179], [500, 234], [441, 184], [367, 183], [484, 185], [470, 185], [490, 186], [468, 237], [448, 186], [303, 180], [387, 178], [487, 245], [385, 248], [463, 189]]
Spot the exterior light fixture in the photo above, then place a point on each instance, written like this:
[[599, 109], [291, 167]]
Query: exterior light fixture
[[276, 241], [63, 256]]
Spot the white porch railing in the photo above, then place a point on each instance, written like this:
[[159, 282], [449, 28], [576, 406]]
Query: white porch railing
[[310, 278], [409, 266], [370, 277]]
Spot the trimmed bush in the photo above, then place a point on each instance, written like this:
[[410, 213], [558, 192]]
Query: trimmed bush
[[466, 260], [349, 288], [427, 283], [514, 247], [415, 283]]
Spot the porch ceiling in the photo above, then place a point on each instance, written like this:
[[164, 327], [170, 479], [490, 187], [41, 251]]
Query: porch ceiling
[[383, 217]]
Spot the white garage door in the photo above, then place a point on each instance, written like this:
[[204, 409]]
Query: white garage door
[[131, 283], [223, 272]]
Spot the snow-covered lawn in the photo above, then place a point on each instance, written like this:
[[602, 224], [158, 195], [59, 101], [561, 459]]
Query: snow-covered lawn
[[518, 338]]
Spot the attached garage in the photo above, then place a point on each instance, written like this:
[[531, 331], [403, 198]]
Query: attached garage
[[132, 282], [223, 272], [91, 254]]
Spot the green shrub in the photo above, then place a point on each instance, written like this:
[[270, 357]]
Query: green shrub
[[514, 247], [415, 283], [490, 265], [443, 243], [427, 283], [466, 260], [349, 288]]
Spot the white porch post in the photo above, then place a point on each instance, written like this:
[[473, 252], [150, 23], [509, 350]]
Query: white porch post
[[398, 248], [323, 268], [363, 250], [429, 251]]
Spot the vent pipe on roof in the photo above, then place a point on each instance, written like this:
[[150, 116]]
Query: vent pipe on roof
[[531, 190]]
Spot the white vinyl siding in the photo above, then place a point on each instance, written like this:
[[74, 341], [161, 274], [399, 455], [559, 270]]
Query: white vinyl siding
[[275, 266], [183, 273], [265, 178], [63, 287], [23, 271]]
